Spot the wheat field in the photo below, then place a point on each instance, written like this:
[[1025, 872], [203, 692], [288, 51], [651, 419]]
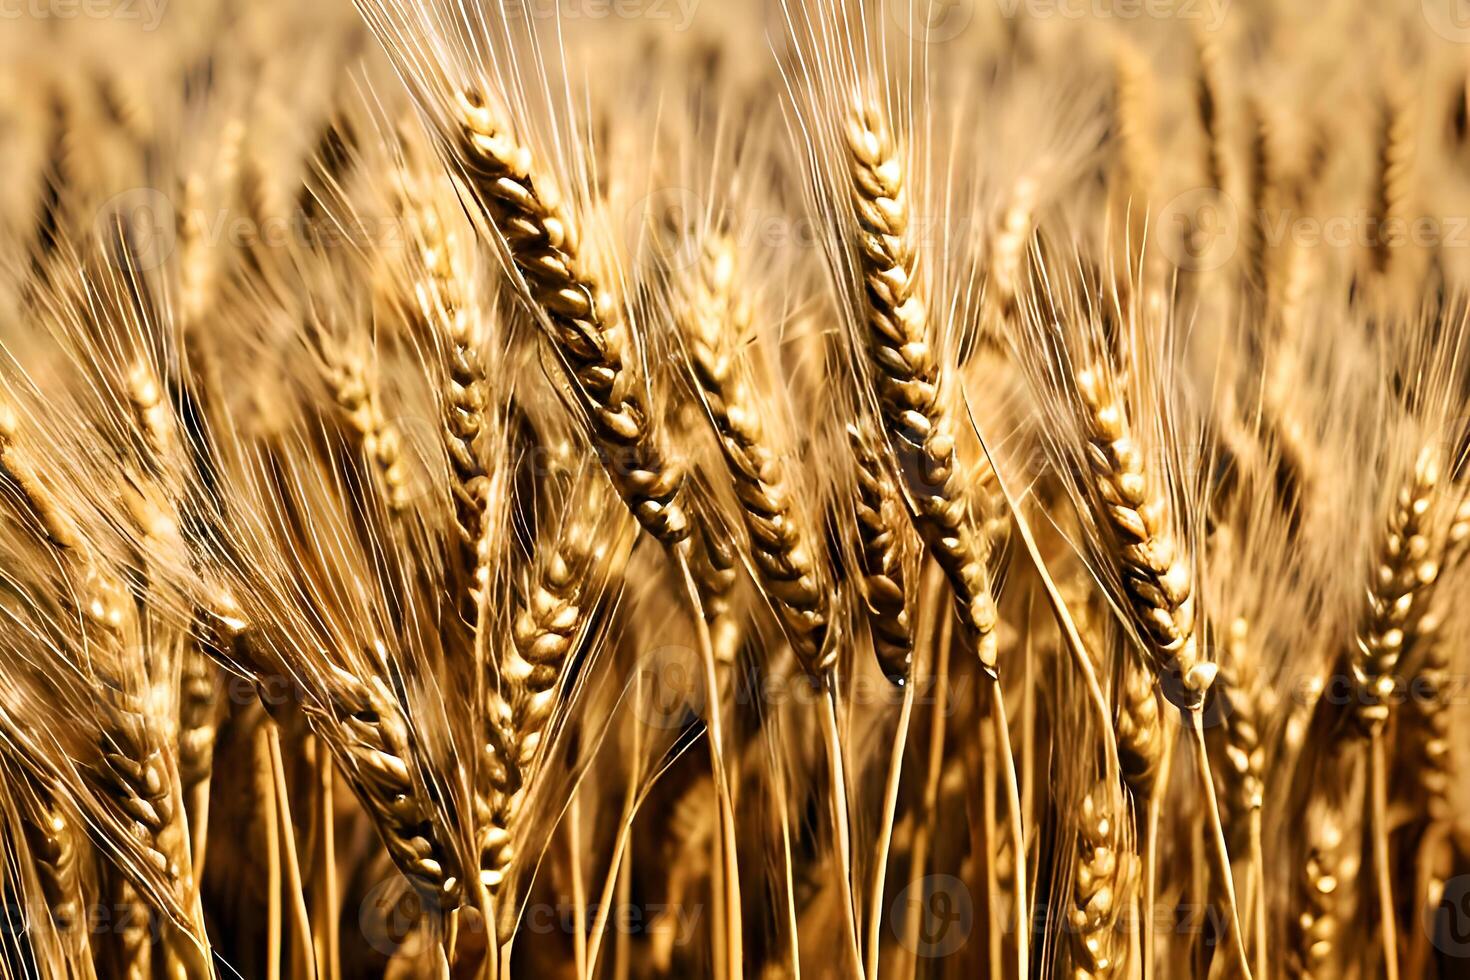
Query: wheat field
[[604, 489]]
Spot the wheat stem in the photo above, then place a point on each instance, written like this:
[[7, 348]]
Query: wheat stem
[[885, 827], [301, 918], [839, 821], [1382, 860], [1022, 906], [1219, 852], [716, 739]]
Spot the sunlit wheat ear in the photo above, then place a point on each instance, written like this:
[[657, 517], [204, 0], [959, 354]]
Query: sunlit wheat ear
[[1139, 727], [58, 846], [715, 566], [450, 309], [1430, 730], [1327, 879], [1406, 568], [1138, 724], [713, 325], [20, 470], [584, 320], [1156, 575], [905, 370], [1101, 883], [888, 559], [353, 382], [1238, 734], [369, 731], [198, 716], [575, 549]]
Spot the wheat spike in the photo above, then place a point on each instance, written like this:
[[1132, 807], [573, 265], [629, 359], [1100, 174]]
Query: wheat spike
[[1239, 731], [554, 612], [1139, 727], [886, 580], [919, 429], [1327, 877], [374, 739], [584, 318], [450, 310], [1405, 569], [57, 846], [354, 388], [1100, 887], [1156, 574], [783, 544]]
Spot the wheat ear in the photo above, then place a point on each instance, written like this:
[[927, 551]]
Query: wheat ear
[[57, 845], [885, 582], [17, 467], [784, 547], [1158, 584], [553, 614], [1156, 574], [906, 371], [354, 387], [1326, 878], [373, 736], [450, 311], [1244, 763], [1405, 570], [1101, 881], [583, 319]]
